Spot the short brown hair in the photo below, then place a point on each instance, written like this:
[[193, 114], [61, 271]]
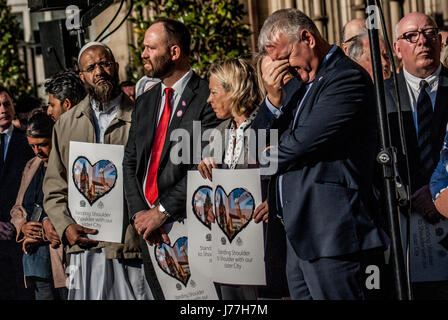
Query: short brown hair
[[177, 33]]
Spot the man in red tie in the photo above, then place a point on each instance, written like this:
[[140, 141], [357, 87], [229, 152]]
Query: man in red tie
[[155, 185]]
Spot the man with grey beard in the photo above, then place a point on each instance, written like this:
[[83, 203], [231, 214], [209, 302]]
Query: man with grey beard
[[101, 270]]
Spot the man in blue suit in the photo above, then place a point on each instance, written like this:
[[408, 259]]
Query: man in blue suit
[[14, 154], [325, 160]]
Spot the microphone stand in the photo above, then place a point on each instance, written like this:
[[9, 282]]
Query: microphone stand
[[386, 158]]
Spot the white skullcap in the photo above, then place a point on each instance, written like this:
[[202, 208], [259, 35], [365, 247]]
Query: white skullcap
[[91, 44]]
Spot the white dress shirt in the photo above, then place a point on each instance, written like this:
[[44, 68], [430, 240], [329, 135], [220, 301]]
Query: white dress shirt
[[103, 118], [178, 88], [413, 85]]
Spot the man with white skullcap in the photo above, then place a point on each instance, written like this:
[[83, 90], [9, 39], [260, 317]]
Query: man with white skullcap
[[99, 270]]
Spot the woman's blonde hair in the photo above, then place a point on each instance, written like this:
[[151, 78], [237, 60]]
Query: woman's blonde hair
[[239, 80], [444, 56]]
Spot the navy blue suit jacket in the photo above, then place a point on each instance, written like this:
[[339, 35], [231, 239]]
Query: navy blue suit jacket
[[438, 128], [327, 160], [18, 154]]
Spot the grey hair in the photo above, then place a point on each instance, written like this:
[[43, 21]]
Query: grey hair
[[287, 21], [355, 50], [344, 31]]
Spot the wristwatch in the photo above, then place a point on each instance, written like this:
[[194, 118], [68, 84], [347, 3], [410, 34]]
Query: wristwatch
[[163, 210]]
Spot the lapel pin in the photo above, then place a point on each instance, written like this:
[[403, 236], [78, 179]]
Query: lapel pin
[[180, 112], [184, 103], [321, 77]]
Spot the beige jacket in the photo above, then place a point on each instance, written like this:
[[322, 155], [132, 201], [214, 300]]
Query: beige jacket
[[78, 125], [18, 219]]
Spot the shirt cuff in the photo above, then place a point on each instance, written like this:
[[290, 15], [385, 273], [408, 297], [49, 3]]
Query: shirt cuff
[[274, 110]]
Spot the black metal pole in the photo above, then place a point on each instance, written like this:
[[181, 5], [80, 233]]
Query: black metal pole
[[386, 159]]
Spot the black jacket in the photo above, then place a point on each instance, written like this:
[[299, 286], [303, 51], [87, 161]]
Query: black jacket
[[18, 154], [171, 177]]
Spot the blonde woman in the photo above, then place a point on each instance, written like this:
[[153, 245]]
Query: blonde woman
[[234, 97]]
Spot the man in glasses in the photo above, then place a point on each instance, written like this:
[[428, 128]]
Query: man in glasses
[[423, 90], [359, 51], [350, 33], [103, 270]]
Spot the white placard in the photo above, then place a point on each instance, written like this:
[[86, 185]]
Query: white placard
[[199, 220], [95, 188], [238, 247], [428, 249], [171, 264]]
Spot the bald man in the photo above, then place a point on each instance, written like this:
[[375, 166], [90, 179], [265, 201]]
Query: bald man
[[359, 51], [350, 31], [100, 270], [423, 90]]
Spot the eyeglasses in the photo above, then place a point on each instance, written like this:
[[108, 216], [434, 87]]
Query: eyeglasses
[[351, 39], [413, 36], [102, 64]]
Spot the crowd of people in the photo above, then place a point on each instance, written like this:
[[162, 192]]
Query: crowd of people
[[323, 206]]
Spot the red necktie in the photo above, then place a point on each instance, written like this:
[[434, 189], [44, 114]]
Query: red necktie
[[151, 191]]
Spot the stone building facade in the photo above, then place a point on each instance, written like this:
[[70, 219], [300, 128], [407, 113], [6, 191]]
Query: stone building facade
[[329, 16]]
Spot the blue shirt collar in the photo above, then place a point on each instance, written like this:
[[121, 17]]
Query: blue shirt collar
[[327, 57], [332, 50]]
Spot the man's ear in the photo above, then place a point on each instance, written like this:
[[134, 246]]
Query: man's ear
[[308, 38], [344, 48], [175, 52], [66, 105], [397, 50], [81, 76]]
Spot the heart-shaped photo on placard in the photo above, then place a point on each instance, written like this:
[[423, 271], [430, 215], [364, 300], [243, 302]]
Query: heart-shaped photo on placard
[[233, 212], [202, 205], [173, 260], [93, 182]]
